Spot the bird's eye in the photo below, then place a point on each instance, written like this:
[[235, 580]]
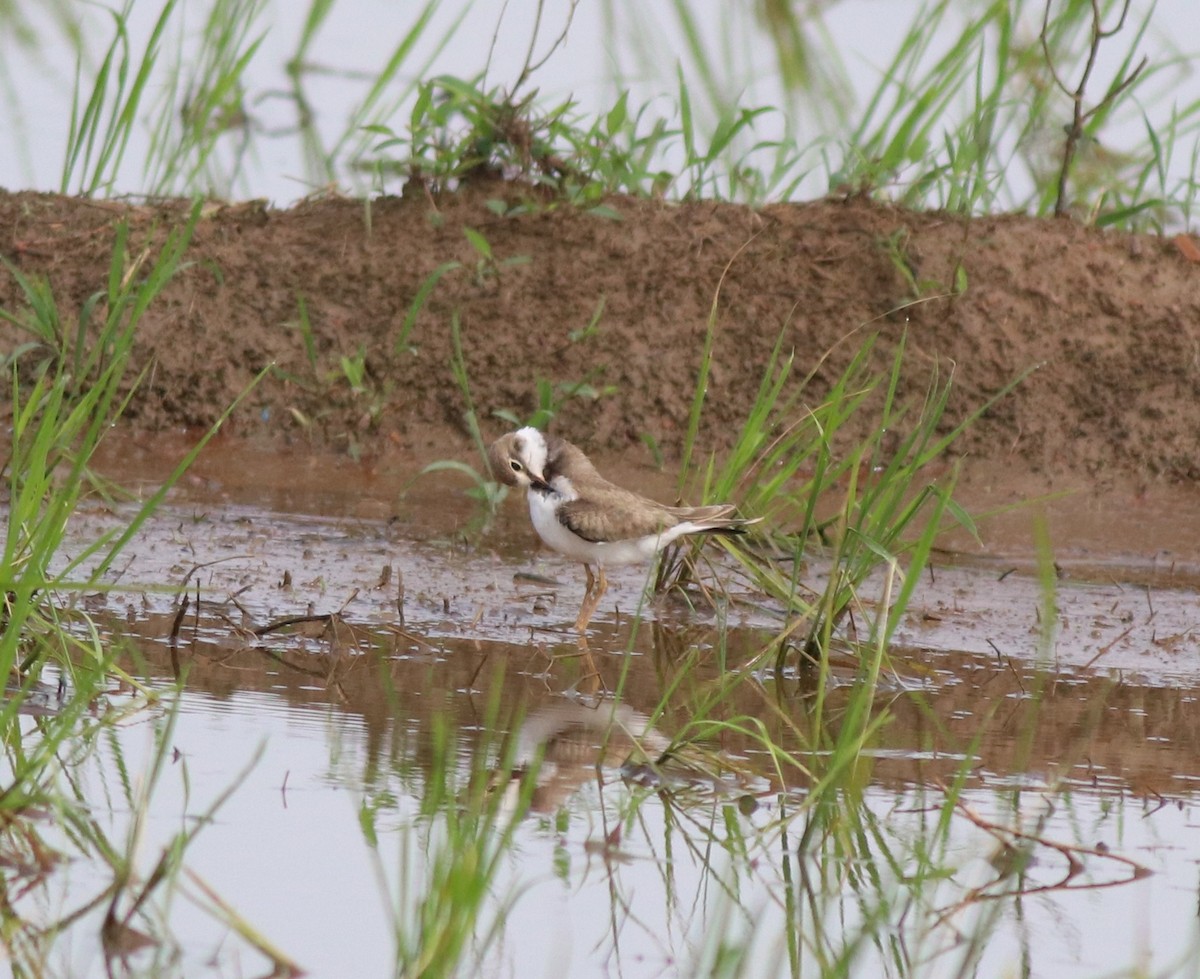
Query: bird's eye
[[516, 466]]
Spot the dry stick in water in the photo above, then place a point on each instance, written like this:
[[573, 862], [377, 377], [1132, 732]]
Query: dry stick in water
[[182, 606], [1007, 836]]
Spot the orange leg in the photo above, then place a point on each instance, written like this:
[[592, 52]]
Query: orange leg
[[596, 587], [582, 619]]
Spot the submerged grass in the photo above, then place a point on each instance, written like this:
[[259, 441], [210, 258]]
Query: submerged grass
[[84, 793], [834, 874], [864, 877]]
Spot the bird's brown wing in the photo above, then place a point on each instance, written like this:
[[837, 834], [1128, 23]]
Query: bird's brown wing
[[607, 521]]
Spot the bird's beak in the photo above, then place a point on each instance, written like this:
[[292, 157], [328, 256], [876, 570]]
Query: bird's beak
[[536, 482]]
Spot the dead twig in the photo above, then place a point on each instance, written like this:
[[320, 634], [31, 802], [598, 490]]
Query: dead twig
[[325, 618], [1080, 116], [1009, 838]]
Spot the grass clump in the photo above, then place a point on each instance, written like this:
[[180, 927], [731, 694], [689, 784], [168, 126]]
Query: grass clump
[[993, 106], [68, 385], [460, 131], [76, 388], [849, 505], [69, 381]]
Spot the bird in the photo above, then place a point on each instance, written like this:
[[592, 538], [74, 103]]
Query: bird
[[582, 515]]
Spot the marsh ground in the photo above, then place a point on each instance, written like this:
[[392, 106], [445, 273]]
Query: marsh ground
[[1108, 322], [307, 506]]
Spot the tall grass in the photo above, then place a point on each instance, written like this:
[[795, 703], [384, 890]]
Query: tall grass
[[68, 383], [204, 101], [967, 113], [957, 120], [104, 114], [74, 386], [856, 506]]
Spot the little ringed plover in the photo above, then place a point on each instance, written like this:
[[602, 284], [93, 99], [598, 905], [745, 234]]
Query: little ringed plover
[[579, 513]]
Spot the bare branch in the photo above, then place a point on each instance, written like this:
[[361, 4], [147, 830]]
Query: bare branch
[[1080, 116], [531, 67]]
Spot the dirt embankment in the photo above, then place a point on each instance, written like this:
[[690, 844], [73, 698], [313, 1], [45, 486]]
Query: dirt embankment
[[1111, 320]]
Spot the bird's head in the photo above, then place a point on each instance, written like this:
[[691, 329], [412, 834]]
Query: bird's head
[[519, 459]]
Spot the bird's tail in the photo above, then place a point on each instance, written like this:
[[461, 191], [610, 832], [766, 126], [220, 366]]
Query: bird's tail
[[726, 526]]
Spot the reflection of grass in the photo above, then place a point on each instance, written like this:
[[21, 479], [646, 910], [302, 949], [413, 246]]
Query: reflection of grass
[[825, 869], [75, 766], [441, 893]]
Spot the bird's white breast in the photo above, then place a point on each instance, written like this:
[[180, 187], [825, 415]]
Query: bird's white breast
[[543, 512]]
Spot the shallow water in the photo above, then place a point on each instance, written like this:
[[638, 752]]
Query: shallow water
[[325, 733]]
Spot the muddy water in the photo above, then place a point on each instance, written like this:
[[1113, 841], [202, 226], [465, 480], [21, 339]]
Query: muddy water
[[1081, 732]]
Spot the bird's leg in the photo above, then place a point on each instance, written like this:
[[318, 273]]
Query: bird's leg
[[585, 614], [581, 620], [590, 682], [585, 608], [591, 599]]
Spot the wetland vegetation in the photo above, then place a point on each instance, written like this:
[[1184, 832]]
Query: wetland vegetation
[[289, 689]]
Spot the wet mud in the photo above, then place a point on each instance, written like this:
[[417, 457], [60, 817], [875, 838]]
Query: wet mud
[[291, 578]]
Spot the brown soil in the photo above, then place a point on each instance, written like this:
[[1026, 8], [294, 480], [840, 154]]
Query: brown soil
[[1111, 321]]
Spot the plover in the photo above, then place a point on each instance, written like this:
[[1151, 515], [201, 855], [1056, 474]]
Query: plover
[[579, 513]]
